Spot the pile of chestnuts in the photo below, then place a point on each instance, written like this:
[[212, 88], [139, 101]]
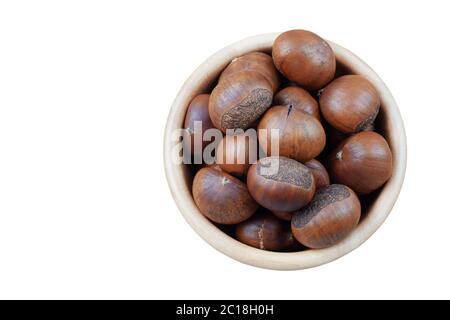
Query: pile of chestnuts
[[303, 189]]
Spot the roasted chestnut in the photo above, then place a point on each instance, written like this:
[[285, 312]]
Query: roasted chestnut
[[319, 173], [363, 162], [299, 99], [235, 153], [305, 58], [197, 112], [254, 61], [350, 103], [332, 214], [239, 99], [266, 232], [297, 134], [280, 183], [221, 197]]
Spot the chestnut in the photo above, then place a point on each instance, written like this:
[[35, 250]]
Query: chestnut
[[198, 112], [319, 173], [235, 153], [350, 103], [305, 58], [280, 183], [299, 99], [283, 215], [363, 162], [221, 197], [239, 99], [300, 136], [266, 232], [255, 61], [331, 216]]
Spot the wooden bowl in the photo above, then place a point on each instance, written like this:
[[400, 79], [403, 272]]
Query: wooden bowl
[[376, 208]]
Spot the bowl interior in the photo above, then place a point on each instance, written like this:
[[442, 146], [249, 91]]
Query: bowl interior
[[376, 206]]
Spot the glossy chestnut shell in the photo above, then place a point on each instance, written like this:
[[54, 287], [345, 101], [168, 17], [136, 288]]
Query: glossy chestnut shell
[[299, 99], [350, 103], [221, 197], [319, 173], [239, 99], [254, 61], [305, 58], [363, 162], [198, 112], [300, 136], [280, 183], [235, 153], [332, 214], [266, 232]]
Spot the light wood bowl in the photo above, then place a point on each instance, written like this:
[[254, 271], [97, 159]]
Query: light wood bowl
[[179, 177]]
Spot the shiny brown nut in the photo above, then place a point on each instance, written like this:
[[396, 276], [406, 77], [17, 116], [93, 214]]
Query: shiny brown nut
[[239, 99], [299, 99], [300, 136], [221, 197], [350, 103], [254, 61], [266, 232], [235, 153], [363, 162], [319, 173], [305, 58], [332, 214], [280, 183], [198, 112]]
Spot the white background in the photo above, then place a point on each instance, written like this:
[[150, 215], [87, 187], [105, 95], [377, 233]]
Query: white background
[[85, 90]]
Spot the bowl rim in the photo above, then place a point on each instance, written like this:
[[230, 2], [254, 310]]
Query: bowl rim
[[197, 83]]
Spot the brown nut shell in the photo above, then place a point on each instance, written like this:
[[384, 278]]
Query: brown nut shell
[[239, 100], [254, 61], [198, 112], [305, 58], [299, 99], [301, 136], [280, 183], [363, 162], [332, 214], [235, 153], [266, 232], [350, 103], [221, 197], [319, 173]]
